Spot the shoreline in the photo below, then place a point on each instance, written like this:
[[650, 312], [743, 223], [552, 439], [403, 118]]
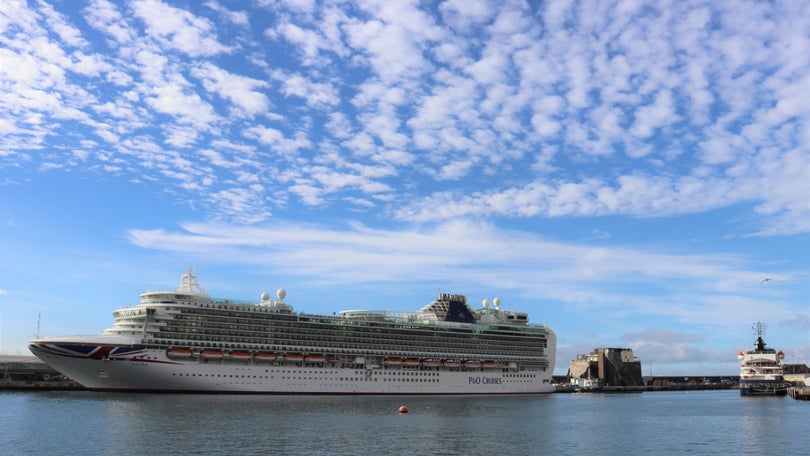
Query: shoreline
[[41, 385], [69, 385], [643, 389]]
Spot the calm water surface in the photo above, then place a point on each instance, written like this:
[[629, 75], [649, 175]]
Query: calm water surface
[[695, 423]]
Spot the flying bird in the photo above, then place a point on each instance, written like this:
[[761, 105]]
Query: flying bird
[[765, 280]]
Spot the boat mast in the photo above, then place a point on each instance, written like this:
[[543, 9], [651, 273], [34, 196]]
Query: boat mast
[[37, 335], [188, 282], [760, 328]]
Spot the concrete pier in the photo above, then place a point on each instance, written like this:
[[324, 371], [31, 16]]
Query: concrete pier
[[801, 393], [29, 373]]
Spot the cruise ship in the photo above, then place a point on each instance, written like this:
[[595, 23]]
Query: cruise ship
[[761, 372], [185, 341]]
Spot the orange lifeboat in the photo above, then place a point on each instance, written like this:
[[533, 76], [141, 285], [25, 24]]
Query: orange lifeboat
[[314, 358], [452, 363], [295, 357], [488, 364], [240, 355], [265, 356], [411, 362], [431, 362], [472, 363], [211, 354], [392, 361]]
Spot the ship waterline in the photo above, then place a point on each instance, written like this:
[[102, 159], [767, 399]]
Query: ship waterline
[[186, 341]]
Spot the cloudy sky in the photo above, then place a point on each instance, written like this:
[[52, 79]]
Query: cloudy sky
[[627, 172]]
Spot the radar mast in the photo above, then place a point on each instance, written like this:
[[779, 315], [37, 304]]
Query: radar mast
[[189, 284]]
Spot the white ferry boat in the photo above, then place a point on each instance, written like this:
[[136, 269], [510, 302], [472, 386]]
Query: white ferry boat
[[186, 341], [761, 372]]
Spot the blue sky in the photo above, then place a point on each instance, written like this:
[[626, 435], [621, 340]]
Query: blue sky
[[627, 172]]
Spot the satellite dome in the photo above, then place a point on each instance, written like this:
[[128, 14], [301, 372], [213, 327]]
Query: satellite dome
[[265, 296], [497, 302], [281, 293], [485, 302]]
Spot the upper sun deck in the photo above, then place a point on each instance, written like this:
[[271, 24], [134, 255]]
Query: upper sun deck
[[447, 309], [190, 293], [190, 290]]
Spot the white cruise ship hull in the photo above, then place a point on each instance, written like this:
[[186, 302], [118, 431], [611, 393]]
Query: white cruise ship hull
[[151, 371], [185, 341]]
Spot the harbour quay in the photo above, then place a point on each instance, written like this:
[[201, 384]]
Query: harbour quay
[[617, 369], [29, 373], [801, 393], [563, 384], [798, 376]]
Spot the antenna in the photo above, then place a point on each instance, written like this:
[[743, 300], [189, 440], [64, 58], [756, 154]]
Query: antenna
[[760, 328], [37, 334]]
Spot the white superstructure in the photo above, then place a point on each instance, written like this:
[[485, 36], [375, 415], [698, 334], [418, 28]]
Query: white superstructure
[[186, 341], [761, 371]]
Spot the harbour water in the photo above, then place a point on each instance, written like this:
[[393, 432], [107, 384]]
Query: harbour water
[[676, 422]]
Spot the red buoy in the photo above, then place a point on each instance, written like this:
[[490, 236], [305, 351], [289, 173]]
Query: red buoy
[[403, 409]]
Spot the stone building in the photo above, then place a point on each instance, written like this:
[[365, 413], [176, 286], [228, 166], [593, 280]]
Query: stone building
[[606, 367]]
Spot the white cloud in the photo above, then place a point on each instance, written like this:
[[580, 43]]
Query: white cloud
[[104, 16], [506, 110], [316, 94], [242, 91], [462, 14], [658, 114], [280, 143], [237, 17], [698, 288], [179, 29], [69, 34], [175, 99]]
